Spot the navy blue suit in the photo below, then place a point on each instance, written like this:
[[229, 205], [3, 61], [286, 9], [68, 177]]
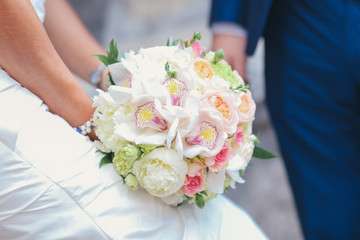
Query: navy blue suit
[[312, 69]]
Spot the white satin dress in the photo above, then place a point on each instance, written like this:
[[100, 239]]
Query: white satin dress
[[52, 188]]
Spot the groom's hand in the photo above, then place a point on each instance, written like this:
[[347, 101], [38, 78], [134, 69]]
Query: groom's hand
[[234, 50]]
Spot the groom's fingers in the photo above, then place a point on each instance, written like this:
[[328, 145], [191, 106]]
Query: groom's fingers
[[234, 51]]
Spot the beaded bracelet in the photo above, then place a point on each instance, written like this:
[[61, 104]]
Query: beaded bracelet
[[86, 127]]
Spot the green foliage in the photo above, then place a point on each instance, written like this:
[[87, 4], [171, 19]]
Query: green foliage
[[219, 55], [261, 153], [170, 42], [172, 74], [112, 54], [108, 158], [196, 36], [199, 200], [240, 88]]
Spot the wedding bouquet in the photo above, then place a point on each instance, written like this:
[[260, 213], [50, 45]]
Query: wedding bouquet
[[175, 121]]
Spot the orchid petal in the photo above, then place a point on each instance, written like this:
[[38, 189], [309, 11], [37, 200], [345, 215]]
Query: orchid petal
[[172, 132], [120, 94], [235, 175], [179, 146], [151, 136], [129, 131], [118, 73]]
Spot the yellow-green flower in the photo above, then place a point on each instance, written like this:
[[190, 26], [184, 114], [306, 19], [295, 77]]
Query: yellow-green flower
[[224, 71], [121, 165], [132, 181], [130, 153]]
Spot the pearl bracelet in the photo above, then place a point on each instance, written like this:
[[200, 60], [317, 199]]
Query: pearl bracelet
[[86, 127]]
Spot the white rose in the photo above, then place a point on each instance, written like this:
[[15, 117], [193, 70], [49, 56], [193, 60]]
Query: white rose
[[247, 149], [161, 172]]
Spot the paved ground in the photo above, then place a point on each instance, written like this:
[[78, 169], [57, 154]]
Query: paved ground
[[133, 24]]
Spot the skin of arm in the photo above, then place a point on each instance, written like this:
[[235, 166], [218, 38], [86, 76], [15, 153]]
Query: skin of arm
[[28, 56], [234, 48], [73, 42]]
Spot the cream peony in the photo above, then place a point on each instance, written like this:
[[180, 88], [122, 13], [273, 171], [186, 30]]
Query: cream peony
[[161, 172], [104, 114]]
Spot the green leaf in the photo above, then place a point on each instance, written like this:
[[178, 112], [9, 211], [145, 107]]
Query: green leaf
[[240, 88], [106, 159], [102, 58], [169, 42], [261, 153], [200, 202], [196, 36], [113, 53], [204, 192], [241, 172], [188, 198]]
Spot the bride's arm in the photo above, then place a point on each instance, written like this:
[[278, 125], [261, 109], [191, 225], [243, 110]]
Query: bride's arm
[[27, 54], [72, 40]]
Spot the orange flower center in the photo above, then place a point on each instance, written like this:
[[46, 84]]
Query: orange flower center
[[203, 69], [222, 107], [244, 106]]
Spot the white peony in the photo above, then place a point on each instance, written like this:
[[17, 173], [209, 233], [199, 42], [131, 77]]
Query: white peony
[[161, 172], [104, 122]]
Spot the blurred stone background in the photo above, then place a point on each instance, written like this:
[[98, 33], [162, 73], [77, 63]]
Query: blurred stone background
[[266, 195]]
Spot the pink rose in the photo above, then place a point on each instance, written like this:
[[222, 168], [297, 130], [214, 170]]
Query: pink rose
[[194, 182], [239, 136], [198, 50], [217, 162], [193, 185]]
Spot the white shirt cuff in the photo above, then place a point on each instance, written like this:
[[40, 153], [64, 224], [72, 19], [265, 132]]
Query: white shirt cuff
[[228, 29]]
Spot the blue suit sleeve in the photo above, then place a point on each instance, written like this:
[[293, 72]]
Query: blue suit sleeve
[[228, 11]]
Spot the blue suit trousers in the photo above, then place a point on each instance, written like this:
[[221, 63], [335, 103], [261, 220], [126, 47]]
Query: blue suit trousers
[[312, 64]]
